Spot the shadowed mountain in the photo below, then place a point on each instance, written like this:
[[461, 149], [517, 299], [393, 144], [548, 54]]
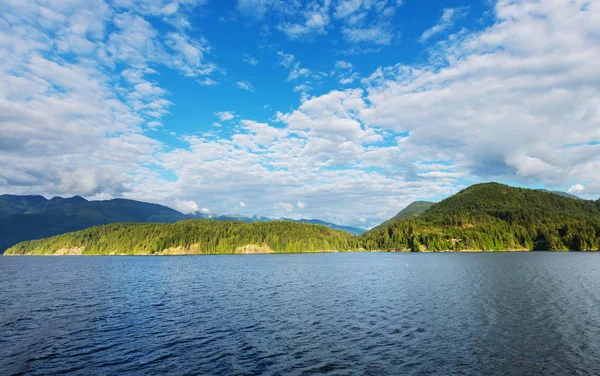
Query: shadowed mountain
[[13, 204], [34, 217]]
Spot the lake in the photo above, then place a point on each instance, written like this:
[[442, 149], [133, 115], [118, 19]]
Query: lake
[[302, 314]]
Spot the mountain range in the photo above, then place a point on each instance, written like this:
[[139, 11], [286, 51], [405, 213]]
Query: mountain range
[[482, 217]]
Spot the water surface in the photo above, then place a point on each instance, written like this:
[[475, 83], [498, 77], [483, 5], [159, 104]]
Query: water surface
[[357, 313]]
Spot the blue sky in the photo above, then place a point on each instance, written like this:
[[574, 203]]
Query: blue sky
[[343, 110]]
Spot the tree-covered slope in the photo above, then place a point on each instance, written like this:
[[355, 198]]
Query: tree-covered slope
[[50, 218], [190, 237], [493, 216]]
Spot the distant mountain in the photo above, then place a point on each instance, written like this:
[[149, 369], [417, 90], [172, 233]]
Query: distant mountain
[[561, 193], [13, 204], [413, 210], [34, 217], [350, 229], [225, 217], [257, 218]]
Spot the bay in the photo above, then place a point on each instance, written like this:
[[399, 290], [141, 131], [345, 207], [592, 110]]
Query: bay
[[530, 313]]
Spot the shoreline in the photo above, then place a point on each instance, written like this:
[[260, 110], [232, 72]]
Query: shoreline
[[284, 253]]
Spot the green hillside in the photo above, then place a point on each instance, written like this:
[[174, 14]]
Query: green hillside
[[49, 217], [493, 216], [191, 237]]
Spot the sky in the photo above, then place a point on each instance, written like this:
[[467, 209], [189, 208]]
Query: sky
[[342, 110]]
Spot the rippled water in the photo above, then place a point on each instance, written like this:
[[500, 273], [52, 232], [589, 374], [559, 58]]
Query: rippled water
[[363, 314]]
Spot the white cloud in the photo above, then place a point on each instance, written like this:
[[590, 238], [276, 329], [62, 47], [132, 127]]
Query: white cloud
[[186, 206], [449, 16], [577, 188], [499, 104], [225, 115], [242, 204], [77, 95], [314, 23], [245, 85], [343, 65], [300, 205], [517, 100], [378, 35], [296, 70], [361, 21], [248, 59], [284, 206]]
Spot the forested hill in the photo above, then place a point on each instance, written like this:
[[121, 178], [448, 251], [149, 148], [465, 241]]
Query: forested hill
[[493, 216], [481, 201], [191, 237]]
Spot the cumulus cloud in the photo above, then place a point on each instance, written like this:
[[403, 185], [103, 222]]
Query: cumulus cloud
[[186, 206], [497, 104], [284, 206], [77, 94], [511, 101], [242, 204], [225, 115], [360, 21], [300, 205], [577, 188]]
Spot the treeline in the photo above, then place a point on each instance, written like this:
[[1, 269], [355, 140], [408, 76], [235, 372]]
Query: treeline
[[418, 235], [195, 236], [496, 217]]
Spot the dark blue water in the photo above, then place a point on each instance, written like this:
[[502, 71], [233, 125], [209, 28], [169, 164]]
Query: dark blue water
[[357, 314]]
